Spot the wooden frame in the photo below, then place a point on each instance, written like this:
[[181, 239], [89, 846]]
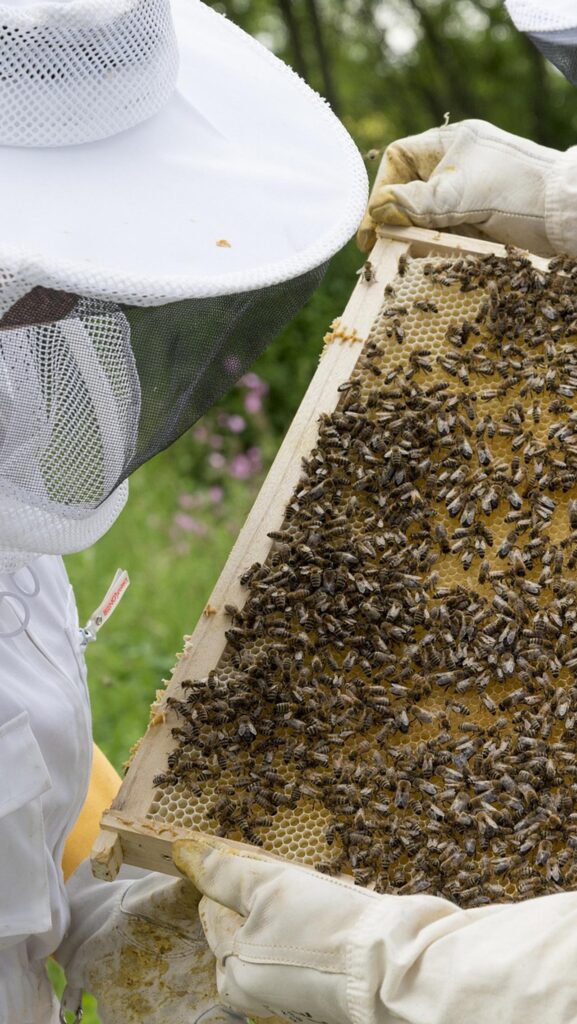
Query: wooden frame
[[127, 834]]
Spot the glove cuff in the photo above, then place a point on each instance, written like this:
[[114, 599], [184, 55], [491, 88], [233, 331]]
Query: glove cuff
[[561, 203]]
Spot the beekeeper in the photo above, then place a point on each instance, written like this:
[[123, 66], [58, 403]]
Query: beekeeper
[[171, 195], [314, 949]]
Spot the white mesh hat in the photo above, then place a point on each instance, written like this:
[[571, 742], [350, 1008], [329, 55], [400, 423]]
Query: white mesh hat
[[171, 196], [552, 26], [543, 15]]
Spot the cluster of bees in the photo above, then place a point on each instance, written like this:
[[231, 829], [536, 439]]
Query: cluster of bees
[[405, 662]]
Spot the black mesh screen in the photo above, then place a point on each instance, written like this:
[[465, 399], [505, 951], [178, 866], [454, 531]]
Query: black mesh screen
[[93, 389], [561, 49], [189, 354]]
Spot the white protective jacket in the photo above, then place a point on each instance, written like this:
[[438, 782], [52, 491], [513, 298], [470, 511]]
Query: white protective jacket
[[93, 928], [45, 760]]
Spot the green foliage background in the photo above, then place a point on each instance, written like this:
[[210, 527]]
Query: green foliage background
[[390, 68]]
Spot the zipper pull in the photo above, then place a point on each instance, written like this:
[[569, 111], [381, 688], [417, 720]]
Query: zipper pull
[[71, 1003], [106, 607]]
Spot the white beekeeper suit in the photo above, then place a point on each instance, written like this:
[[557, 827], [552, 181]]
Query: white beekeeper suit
[[45, 745], [315, 949]]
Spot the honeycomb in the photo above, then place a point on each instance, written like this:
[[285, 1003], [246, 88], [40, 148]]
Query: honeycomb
[[397, 699]]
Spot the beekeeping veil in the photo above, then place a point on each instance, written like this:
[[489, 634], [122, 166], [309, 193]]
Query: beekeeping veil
[[171, 194], [552, 26]]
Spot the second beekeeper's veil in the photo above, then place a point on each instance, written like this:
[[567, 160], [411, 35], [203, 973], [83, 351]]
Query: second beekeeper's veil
[[171, 195], [552, 26]]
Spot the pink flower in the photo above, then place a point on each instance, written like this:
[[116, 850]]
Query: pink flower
[[236, 424], [189, 524], [232, 365], [216, 494], [253, 402], [255, 458], [216, 460], [200, 433], [190, 500], [253, 382], [215, 441], [241, 467]]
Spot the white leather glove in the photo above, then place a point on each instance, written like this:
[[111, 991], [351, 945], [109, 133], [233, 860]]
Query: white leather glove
[[481, 179], [318, 951], [279, 933], [138, 947]]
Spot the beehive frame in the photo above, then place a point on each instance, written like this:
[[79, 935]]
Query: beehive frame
[[128, 833]]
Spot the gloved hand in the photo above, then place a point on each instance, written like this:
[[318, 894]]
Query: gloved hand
[[318, 951], [471, 173], [280, 932], [138, 947]]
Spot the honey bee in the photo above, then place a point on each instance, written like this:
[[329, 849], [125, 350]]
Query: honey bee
[[367, 272], [402, 793]]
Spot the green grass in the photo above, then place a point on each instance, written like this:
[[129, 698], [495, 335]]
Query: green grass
[[170, 585]]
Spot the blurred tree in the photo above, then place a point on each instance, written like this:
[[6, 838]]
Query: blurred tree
[[393, 67], [324, 60], [286, 8]]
